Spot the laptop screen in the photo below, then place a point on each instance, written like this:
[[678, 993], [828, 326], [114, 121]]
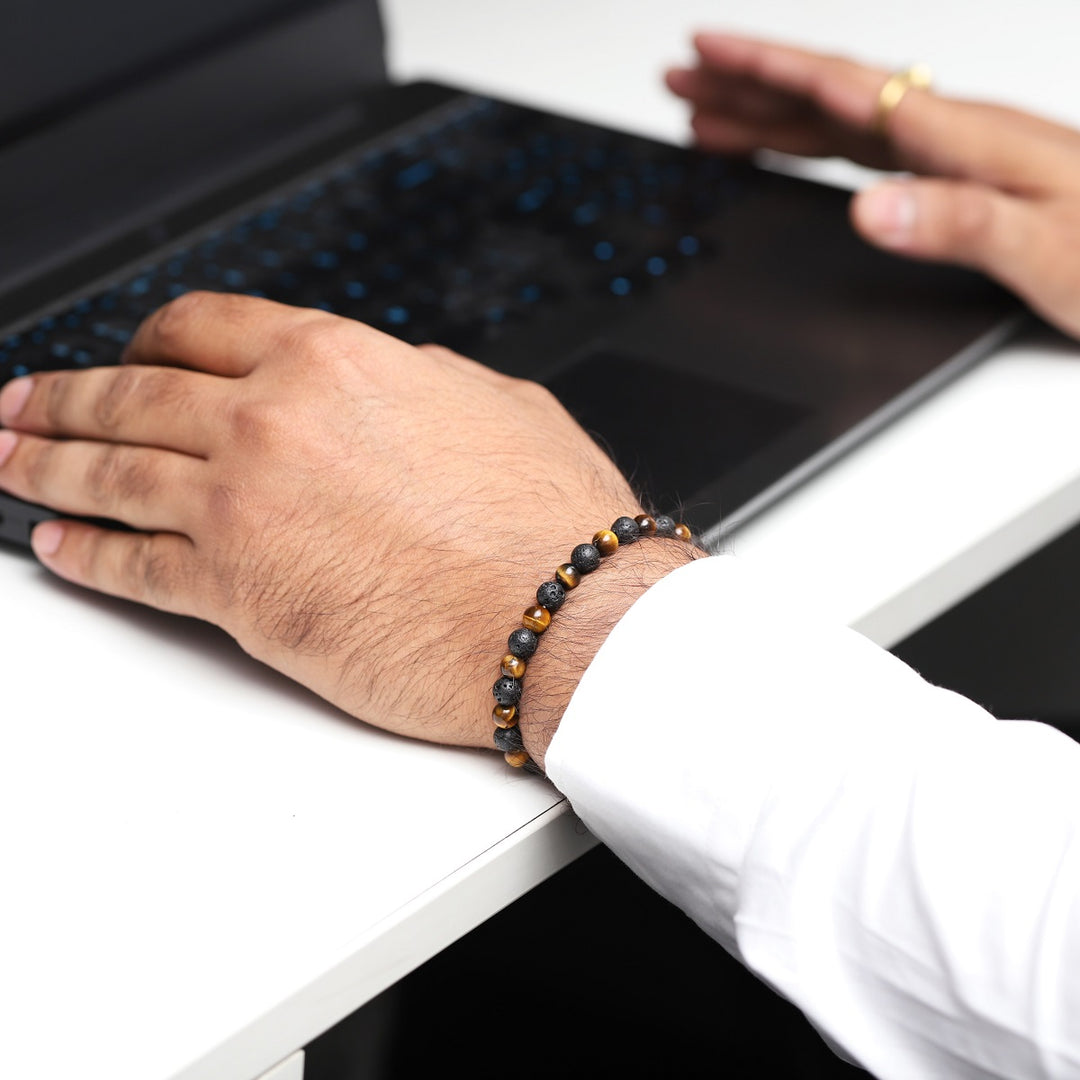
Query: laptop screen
[[58, 55], [122, 103]]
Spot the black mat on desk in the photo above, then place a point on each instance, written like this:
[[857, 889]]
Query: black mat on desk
[[1014, 646], [589, 975]]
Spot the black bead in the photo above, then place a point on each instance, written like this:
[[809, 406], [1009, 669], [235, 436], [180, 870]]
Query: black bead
[[508, 740], [551, 595], [585, 558], [626, 529], [522, 642], [665, 526], [507, 691]]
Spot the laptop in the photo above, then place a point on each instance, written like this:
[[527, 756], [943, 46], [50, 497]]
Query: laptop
[[717, 327]]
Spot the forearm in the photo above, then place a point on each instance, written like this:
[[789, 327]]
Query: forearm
[[882, 852]]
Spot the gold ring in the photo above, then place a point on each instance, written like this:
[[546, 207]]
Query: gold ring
[[892, 93]]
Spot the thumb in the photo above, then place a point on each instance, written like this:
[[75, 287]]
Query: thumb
[[954, 221]]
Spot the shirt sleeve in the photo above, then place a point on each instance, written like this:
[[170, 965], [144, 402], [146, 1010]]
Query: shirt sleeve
[[883, 852]]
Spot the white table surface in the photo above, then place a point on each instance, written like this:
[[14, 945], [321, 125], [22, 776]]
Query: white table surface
[[204, 866]]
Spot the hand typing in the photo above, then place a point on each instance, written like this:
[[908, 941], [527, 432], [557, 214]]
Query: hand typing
[[367, 517], [994, 188]]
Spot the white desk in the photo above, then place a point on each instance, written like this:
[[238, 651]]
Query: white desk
[[204, 867]]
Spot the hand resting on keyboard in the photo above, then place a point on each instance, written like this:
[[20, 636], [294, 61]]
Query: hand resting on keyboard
[[994, 189], [366, 516]]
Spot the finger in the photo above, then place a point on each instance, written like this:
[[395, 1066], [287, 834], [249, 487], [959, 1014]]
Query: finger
[[985, 143], [957, 222], [162, 407], [846, 90], [218, 333], [927, 133], [141, 487], [150, 568], [711, 91], [831, 106], [734, 135]]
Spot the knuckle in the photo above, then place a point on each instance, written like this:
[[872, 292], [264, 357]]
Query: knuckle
[[56, 398], [156, 572], [115, 401], [176, 316], [39, 465], [115, 475], [258, 423], [321, 340], [148, 571], [160, 388], [171, 325]]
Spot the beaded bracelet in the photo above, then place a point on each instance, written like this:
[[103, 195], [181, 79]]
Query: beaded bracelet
[[522, 643]]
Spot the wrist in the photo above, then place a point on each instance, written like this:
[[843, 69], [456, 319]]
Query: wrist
[[583, 622]]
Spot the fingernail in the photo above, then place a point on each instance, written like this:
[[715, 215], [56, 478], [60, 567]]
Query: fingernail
[[8, 439], [45, 539], [13, 398], [887, 214]]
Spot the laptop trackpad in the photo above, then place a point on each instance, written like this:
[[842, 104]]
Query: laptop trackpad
[[672, 432]]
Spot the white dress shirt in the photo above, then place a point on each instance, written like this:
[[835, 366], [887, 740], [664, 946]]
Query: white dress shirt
[[883, 852]]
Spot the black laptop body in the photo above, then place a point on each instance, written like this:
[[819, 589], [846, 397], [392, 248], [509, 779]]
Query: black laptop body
[[718, 327]]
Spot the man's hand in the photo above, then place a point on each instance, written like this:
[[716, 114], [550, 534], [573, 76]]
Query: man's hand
[[996, 189], [367, 517]]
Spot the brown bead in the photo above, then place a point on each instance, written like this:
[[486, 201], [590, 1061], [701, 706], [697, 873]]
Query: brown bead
[[504, 716], [682, 532], [536, 618], [568, 576], [517, 758], [605, 541], [646, 524], [513, 666]]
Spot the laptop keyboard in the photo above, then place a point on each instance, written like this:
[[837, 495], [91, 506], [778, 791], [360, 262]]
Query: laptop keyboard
[[457, 232]]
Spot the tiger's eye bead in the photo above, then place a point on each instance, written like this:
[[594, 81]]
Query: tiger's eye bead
[[517, 758], [504, 715], [568, 576], [522, 642], [606, 542], [665, 526], [683, 532], [507, 691], [536, 618], [585, 558], [513, 666], [551, 595], [508, 740], [626, 529], [646, 524]]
